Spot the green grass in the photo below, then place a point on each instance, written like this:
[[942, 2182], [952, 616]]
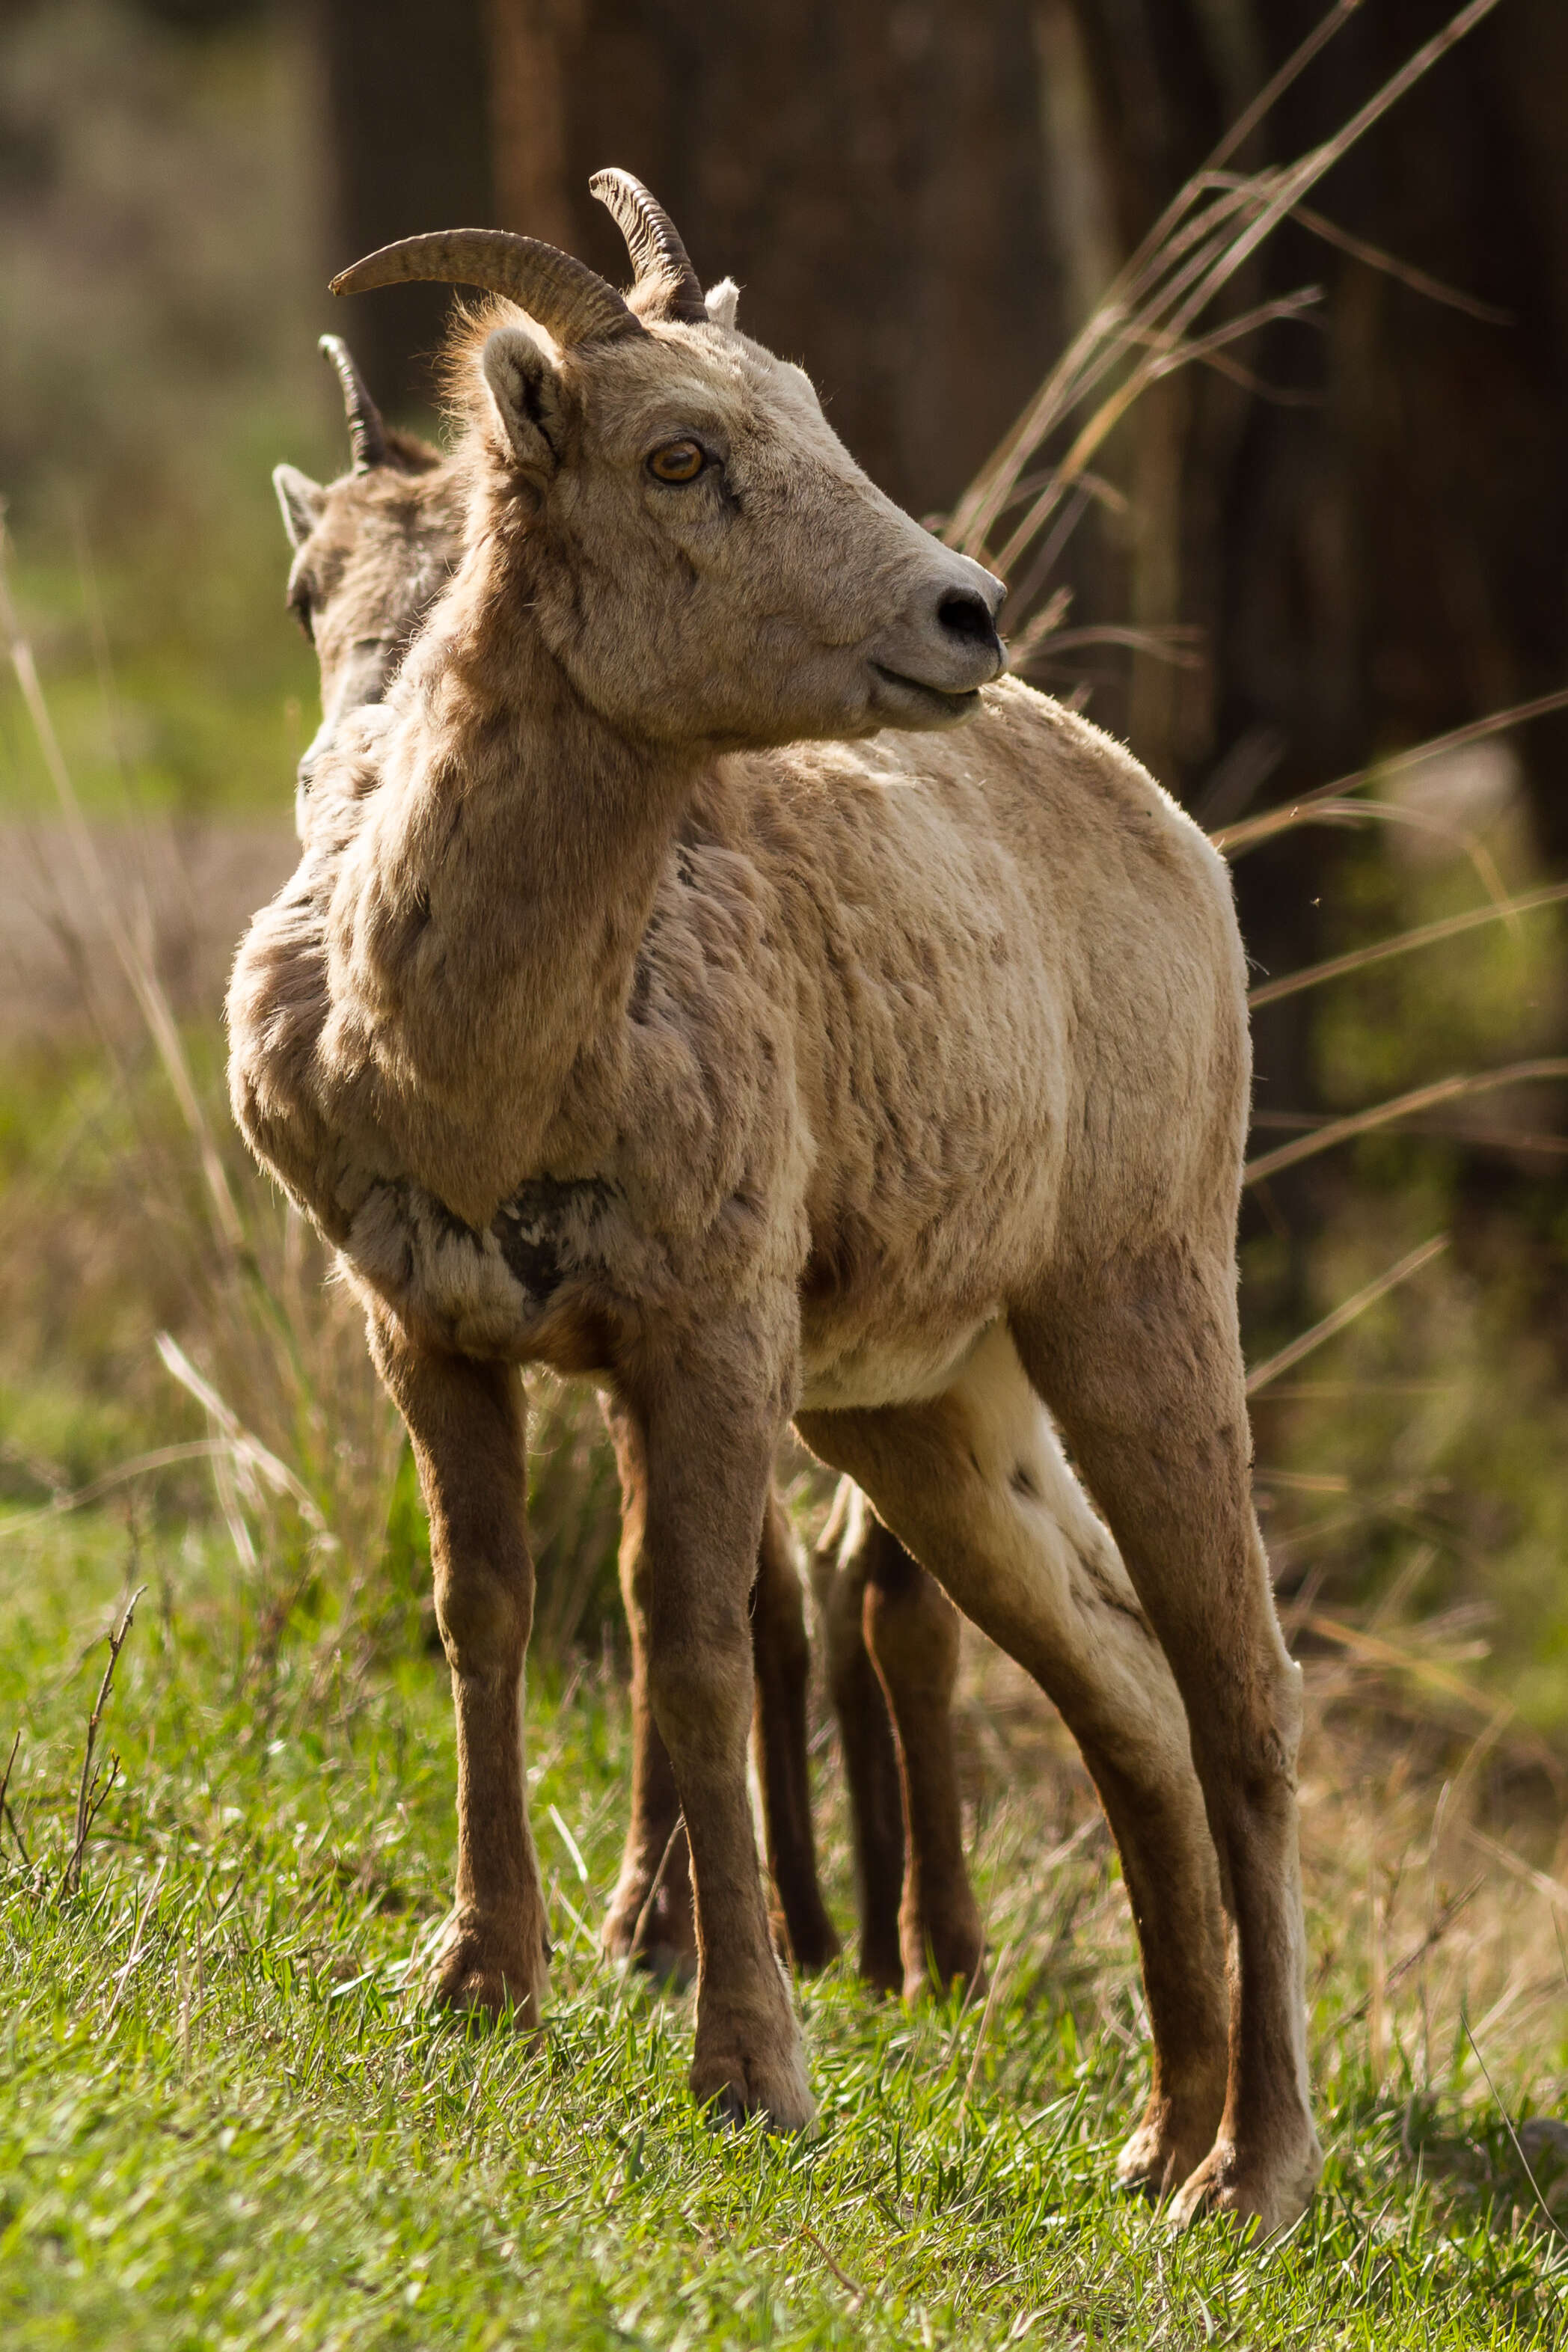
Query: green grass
[[202, 713], [223, 2123]]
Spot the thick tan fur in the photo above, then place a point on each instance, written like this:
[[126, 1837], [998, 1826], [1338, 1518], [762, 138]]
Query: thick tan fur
[[372, 550], [899, 1084]]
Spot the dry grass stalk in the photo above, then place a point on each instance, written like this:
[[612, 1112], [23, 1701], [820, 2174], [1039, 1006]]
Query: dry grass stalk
[[1178, 645], [1235, 840], [646, 1914], [1345, 1314], [856, 2293], [1003, 1964], [1398, 1106], [1375, 1650], [138, 1465], [252, 1461], [122, 1975], [1423, 935], [1469, 844], [1551, 1890], [1144, 327], [1413, 1958], [91, 1795], [1551, 2221], [6, 1776], [136, 964], [1389, 265]]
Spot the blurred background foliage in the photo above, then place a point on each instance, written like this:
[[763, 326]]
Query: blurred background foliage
[[1359, 515]]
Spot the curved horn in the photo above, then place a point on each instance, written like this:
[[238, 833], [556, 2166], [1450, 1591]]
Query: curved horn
[[565, 295], [367, 434], [658, 256]]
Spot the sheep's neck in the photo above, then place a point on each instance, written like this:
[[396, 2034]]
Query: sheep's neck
[[503, 890]]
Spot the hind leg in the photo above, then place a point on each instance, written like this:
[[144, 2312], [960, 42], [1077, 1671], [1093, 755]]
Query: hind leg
[[839, 1571], [975, 1483], [782, 1661], [1144, 1372], [909, 1628], [892, 1645]]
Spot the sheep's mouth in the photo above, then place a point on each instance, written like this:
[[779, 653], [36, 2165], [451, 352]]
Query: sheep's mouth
[[914, 693]]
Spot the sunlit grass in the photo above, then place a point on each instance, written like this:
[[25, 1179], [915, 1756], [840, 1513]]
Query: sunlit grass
[[224, 2121]]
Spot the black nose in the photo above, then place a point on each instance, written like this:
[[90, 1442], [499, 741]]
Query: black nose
[[967, 616]]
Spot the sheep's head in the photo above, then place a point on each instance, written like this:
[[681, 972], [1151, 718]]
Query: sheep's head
[[371, 551], [709, 562]]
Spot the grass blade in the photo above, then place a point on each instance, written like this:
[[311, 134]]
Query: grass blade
[[1233, 839], [1423, 935], [1362, 1122], [1345, 1314]]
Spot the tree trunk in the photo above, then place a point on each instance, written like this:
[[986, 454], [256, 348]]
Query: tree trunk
[[1378, 556], [875, 177], [1382, 558], [404, 90]]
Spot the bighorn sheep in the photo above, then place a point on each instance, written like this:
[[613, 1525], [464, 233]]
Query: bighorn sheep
[[633, 1013], [372, 552]]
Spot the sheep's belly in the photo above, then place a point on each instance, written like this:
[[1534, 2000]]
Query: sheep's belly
[[909, 1368]]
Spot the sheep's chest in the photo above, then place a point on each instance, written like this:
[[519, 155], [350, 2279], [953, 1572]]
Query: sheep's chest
[[533, 1285]]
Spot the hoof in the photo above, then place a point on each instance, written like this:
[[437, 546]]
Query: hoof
[[668, 1949], [811, 1946], [1169, 2144], [1272, 2190], [956, 1964], [479, 1967], [882, 1966], [736, 2084]]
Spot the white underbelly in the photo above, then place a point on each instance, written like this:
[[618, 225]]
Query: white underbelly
[[887, 1372]]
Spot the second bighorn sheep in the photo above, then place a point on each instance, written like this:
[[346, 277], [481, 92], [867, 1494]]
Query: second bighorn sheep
[[630, 1011], [372, 552]]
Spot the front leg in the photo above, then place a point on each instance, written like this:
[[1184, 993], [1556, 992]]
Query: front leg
[[708, 1448], [650, 1923], [465, 1420]]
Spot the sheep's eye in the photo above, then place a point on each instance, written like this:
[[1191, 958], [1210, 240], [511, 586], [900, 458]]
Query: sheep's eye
[[677, 461]]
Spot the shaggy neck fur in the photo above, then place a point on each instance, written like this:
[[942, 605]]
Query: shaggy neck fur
[[485, 924]]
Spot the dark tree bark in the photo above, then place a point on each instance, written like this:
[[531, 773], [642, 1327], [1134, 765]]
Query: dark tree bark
[[406, 95], [1379, 557], [1385, 560], [874, 177]]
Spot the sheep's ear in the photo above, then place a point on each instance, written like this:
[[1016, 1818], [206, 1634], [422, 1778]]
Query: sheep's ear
[[524, 383], [301, 500], [720, 301]]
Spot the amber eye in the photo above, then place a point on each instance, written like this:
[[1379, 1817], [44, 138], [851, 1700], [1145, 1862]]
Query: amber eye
[[677, 461]]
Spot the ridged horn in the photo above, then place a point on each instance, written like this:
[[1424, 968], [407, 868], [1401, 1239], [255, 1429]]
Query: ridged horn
[[367, 434], [565, 295], [658, 256]]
